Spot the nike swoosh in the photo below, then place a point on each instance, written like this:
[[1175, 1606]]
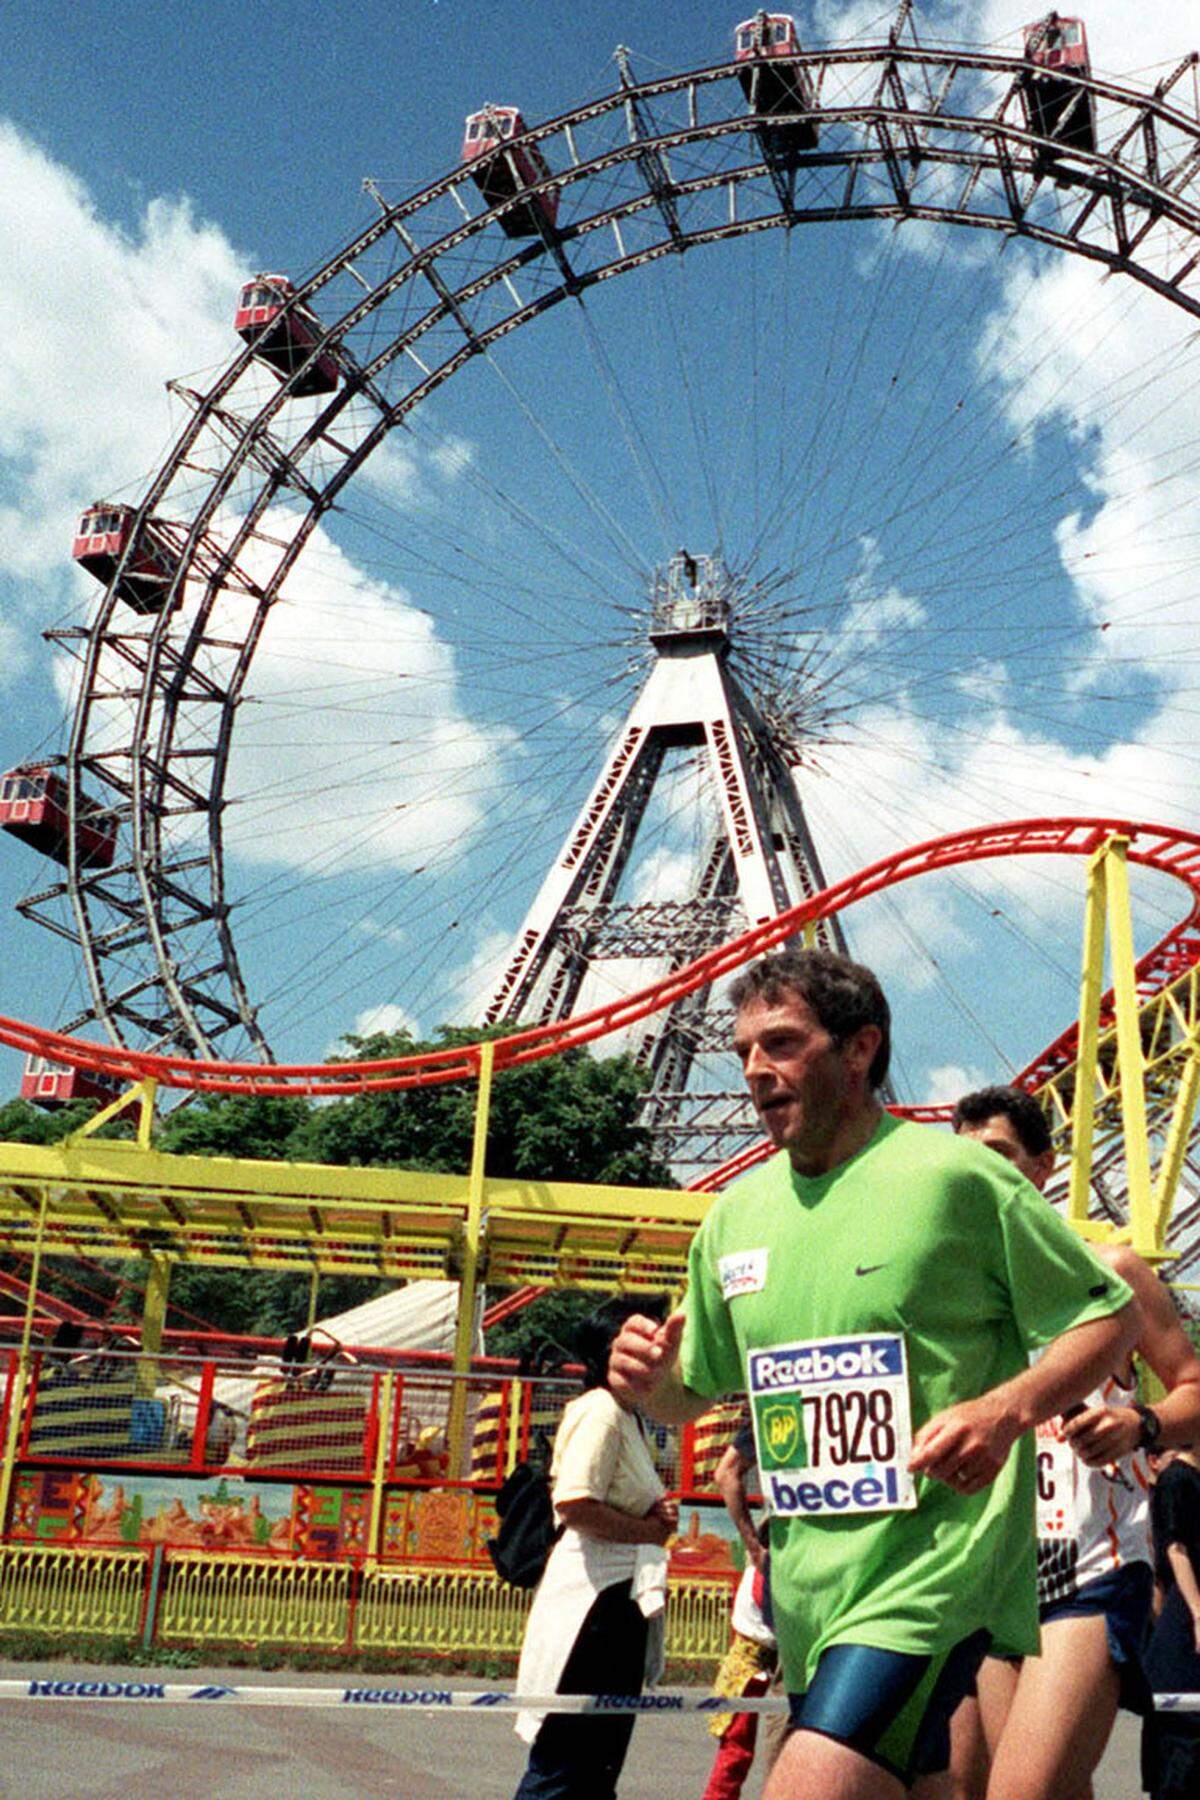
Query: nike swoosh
[[872, 1269], [1098, 1293]]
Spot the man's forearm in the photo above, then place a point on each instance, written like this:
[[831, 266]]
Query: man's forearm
[[671, 1403], [733, 1493], [1179, 1415], [1071, 1367], [1185, 1578]]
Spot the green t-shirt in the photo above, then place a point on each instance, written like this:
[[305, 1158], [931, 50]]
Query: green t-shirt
[[930, 1236]]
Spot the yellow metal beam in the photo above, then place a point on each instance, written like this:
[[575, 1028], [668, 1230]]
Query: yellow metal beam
[[113, 1198], [1129, 1051], [141, 1095], [154, 1318], [464, 1334], [20, 1381], [387, 1396], [1178, 1132], [1083, 1109]]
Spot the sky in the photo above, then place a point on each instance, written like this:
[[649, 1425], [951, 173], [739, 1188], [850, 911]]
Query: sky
[[973, 471]]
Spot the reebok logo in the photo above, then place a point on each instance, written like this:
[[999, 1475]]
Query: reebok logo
[[848, 1360], [97, 1690]]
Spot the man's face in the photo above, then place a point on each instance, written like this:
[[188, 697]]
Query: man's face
[[1000, 1134], [803, 1085]]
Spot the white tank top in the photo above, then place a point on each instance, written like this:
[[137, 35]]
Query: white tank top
[[1089, 1521]]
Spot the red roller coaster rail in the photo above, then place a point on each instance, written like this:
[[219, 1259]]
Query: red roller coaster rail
[[1165, 848]]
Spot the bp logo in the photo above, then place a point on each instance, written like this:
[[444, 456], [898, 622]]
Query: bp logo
[[781, 1434]]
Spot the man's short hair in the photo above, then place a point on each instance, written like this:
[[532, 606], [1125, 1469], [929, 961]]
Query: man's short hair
[[844, 995], [1019, 1108]]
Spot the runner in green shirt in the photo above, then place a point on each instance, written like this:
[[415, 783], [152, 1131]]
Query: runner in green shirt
[[876, 1289]]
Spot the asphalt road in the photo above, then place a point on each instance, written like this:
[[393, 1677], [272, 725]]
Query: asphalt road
[[77, 1751]]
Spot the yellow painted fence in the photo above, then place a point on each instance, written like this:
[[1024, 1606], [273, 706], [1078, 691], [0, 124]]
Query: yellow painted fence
[[184, 1598]]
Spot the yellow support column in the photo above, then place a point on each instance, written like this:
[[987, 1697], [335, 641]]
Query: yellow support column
[[387, 1391], [1083, 1108], [468, 1280], [154, 1317], [512, 1452], [16, 1398], [1171, 1166], [1131, 1061]]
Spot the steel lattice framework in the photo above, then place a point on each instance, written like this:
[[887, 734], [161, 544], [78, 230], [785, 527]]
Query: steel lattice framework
[[760, 861], [652, 170]]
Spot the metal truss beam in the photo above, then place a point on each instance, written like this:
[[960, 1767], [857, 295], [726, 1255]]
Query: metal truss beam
[[115, 1199]]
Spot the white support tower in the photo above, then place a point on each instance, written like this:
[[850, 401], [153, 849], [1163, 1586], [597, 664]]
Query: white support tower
[[760, 859]]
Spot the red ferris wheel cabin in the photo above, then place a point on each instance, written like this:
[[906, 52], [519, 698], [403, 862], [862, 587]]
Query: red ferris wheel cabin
[[284, 340], [502, 169], [1057, 43], [101, 538], [773, 81], [1058, 49], [52, 1084], [33, 806]]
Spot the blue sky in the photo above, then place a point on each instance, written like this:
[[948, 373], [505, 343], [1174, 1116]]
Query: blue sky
[[965, 463]]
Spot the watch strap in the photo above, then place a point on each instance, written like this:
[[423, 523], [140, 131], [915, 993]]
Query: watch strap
[[1151, 1427]]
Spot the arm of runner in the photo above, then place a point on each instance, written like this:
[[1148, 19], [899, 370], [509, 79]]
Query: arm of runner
[[643, 1370], [967, 1445], [1102, 1434], [729, 1481], [1185, 1576]]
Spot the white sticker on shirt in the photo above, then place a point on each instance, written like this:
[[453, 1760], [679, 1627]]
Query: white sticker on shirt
[[743, 1272], [833, 1425]]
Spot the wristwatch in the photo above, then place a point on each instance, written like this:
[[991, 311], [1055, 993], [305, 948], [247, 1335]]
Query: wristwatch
[[1151, 1427]]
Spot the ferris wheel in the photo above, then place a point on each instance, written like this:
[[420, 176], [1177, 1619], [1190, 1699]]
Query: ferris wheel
[[268, 745]]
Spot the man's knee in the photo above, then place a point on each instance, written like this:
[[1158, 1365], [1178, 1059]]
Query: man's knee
[[811, 1764]]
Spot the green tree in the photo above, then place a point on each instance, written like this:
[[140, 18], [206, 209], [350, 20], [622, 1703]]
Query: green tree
[[569, 1118], [21, 1123], [250, 1125]]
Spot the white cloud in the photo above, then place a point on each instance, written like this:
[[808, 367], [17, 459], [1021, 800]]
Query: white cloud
[[471, 986], [1118, 39], [950, 1081], [1109, 365], [877, 608], [1163, 32], [667, 873], [387, 1018], [390, 770], [93, 319], [354, 742]]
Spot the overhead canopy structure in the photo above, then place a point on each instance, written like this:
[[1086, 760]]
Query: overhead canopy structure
[[100, 1197]]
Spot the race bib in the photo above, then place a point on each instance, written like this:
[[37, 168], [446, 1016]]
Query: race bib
[[832, 1425], [1057, 1465]]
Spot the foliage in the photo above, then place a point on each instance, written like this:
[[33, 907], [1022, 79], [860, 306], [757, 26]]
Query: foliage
[[568, 1118], [248, 1125], [21, 1123]]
